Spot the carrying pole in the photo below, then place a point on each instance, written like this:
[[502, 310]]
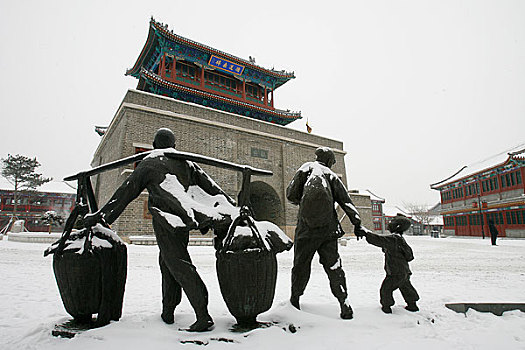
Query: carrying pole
[[173, 154]]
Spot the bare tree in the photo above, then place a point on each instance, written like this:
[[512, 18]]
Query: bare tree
[[420, 213]]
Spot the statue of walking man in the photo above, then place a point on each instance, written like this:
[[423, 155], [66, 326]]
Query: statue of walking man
[[176, 191], [316, 189]]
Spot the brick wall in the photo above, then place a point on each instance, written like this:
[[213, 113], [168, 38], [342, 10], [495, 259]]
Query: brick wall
[[211, 133], [364, 207]]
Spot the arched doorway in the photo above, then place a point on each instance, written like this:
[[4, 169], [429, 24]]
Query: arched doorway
[[265, 203]]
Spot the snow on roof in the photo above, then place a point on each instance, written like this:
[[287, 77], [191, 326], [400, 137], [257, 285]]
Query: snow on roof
[[367, 193], [481, 165], [436, 208], [53, 186], [58, 187], [393, 210], [374, 197], [436, 220]]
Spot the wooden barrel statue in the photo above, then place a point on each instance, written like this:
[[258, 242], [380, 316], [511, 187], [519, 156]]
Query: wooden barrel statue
[[247, 272], [90, 270]]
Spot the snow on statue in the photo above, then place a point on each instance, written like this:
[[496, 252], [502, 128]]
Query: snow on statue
[[181, 197], [316, 189]]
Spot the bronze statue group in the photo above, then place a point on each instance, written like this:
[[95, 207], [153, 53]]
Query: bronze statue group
[[315, 188]]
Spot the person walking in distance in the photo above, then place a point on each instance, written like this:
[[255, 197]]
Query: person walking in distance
[[493, 232]]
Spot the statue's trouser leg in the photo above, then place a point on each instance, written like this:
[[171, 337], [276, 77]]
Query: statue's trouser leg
[[389, 285], [304, 250], [171, 289], [331, 261], [173, 248], [408, 291]]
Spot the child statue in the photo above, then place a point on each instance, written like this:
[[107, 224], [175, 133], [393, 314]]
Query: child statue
[[397, 255]]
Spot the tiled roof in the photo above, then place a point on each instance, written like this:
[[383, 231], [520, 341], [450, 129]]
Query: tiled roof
[[159, 29], [172, 36], [516, 152]]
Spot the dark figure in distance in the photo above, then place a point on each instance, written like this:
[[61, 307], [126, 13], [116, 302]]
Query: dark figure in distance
[[169, 182], [397, 255], [316, 189], [493, 232]]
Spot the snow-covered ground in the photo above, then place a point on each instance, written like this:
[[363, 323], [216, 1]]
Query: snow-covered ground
[[445, 270]]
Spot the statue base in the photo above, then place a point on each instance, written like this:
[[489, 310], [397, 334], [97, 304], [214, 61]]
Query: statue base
[[243, 327], [495, 308]]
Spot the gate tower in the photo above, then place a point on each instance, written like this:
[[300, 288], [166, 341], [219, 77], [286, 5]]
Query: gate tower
[[217, 105]]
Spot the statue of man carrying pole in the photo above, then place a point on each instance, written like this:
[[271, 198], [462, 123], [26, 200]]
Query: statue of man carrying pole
[[182, 197]]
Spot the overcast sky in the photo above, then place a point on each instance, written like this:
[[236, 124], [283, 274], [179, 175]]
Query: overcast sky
[[415, 89]]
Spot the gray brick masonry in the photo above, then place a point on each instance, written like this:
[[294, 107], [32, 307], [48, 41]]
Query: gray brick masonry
[[217, 134]]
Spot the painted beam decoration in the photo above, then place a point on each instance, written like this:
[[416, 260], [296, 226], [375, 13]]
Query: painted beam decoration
[[157, 86], [225, 65]]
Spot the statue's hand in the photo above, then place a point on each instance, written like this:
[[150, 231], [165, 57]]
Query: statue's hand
[[92, 219], [360, 231], [220, 227]]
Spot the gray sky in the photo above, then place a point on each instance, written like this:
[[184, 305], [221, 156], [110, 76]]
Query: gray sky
[[415, 89]]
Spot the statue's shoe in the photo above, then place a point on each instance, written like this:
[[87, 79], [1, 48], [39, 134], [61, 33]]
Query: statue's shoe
[[386, 309], [167, 317], [412, 307], [202, 325], [295, 302], [346, 312]]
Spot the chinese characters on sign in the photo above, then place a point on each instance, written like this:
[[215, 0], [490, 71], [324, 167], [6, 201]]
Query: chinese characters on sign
[[225, 65]]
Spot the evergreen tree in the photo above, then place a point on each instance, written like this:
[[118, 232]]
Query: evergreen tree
[[20, 172], [51, 218]]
